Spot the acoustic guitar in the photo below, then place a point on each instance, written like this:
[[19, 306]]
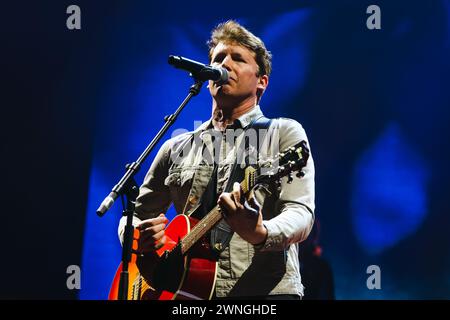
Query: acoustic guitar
[[185, 267]]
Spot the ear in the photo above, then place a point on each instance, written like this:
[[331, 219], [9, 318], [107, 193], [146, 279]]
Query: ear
[[263, 82]]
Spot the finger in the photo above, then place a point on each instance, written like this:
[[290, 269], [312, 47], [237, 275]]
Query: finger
[[253, 202], [226, 202], [157, 236], [251, 209], [237, 194], [152, 222], [148, 241], [153, 229], [161, 243]]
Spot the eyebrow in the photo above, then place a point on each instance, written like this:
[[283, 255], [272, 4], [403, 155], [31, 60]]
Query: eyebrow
[[233, 54]]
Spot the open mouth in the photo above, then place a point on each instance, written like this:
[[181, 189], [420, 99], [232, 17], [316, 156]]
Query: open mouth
[[224, 83], [228, 81]]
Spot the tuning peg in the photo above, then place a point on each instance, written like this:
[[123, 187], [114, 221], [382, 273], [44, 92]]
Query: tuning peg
[[278, 184], [290, 178], [300, 174]]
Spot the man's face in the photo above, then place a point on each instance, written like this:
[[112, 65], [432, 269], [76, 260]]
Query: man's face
[[243, 83]]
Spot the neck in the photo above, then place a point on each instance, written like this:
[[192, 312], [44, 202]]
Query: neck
[[225, 115]]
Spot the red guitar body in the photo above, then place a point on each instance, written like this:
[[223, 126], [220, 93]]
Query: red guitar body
[[172, 276]]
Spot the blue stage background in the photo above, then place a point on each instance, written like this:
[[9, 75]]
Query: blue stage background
[[374, 103]]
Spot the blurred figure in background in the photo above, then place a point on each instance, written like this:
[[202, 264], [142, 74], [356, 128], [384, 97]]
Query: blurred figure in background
[[317, 275]]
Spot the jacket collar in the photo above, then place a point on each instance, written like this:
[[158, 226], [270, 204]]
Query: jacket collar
[[241, 122]]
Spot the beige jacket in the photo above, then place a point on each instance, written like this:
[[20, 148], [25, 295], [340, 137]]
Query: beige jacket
[[181, 178]]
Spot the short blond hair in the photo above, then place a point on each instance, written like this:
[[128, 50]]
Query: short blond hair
[[231, 31]]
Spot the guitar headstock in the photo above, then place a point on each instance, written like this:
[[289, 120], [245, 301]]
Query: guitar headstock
[[285, 163]]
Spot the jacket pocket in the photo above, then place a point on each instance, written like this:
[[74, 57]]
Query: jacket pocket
[[179, 182], [179, 178]]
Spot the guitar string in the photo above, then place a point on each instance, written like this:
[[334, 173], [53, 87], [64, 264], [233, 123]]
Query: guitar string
[[206, 223]]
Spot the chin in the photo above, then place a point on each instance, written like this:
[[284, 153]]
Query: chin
[[223, 91], [225, 100]]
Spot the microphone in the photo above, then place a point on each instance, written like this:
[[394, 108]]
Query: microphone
[[107, 204], [199, 70]]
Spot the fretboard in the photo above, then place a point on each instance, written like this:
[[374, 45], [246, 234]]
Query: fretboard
[[205, 224]]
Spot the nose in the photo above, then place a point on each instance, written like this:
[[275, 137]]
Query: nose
[[226, 62]]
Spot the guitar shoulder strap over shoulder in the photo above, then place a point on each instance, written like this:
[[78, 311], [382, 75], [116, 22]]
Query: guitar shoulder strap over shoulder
[[221, 234]]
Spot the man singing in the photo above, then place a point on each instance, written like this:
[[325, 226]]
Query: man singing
[[258, 256]]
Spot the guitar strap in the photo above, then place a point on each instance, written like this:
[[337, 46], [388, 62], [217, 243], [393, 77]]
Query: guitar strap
[[221, 234]]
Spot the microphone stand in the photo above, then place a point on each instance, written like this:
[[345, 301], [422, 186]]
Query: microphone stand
[[128, 188]]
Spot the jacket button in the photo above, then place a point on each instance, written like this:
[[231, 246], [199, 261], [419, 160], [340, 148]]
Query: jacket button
[[192, 199]]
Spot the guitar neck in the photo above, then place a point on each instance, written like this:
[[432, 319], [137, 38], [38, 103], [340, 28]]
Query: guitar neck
[[206, 224], [201, 228], [291, 159]]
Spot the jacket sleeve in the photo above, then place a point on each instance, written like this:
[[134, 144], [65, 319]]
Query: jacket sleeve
[[295, 206], [154, 196]]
